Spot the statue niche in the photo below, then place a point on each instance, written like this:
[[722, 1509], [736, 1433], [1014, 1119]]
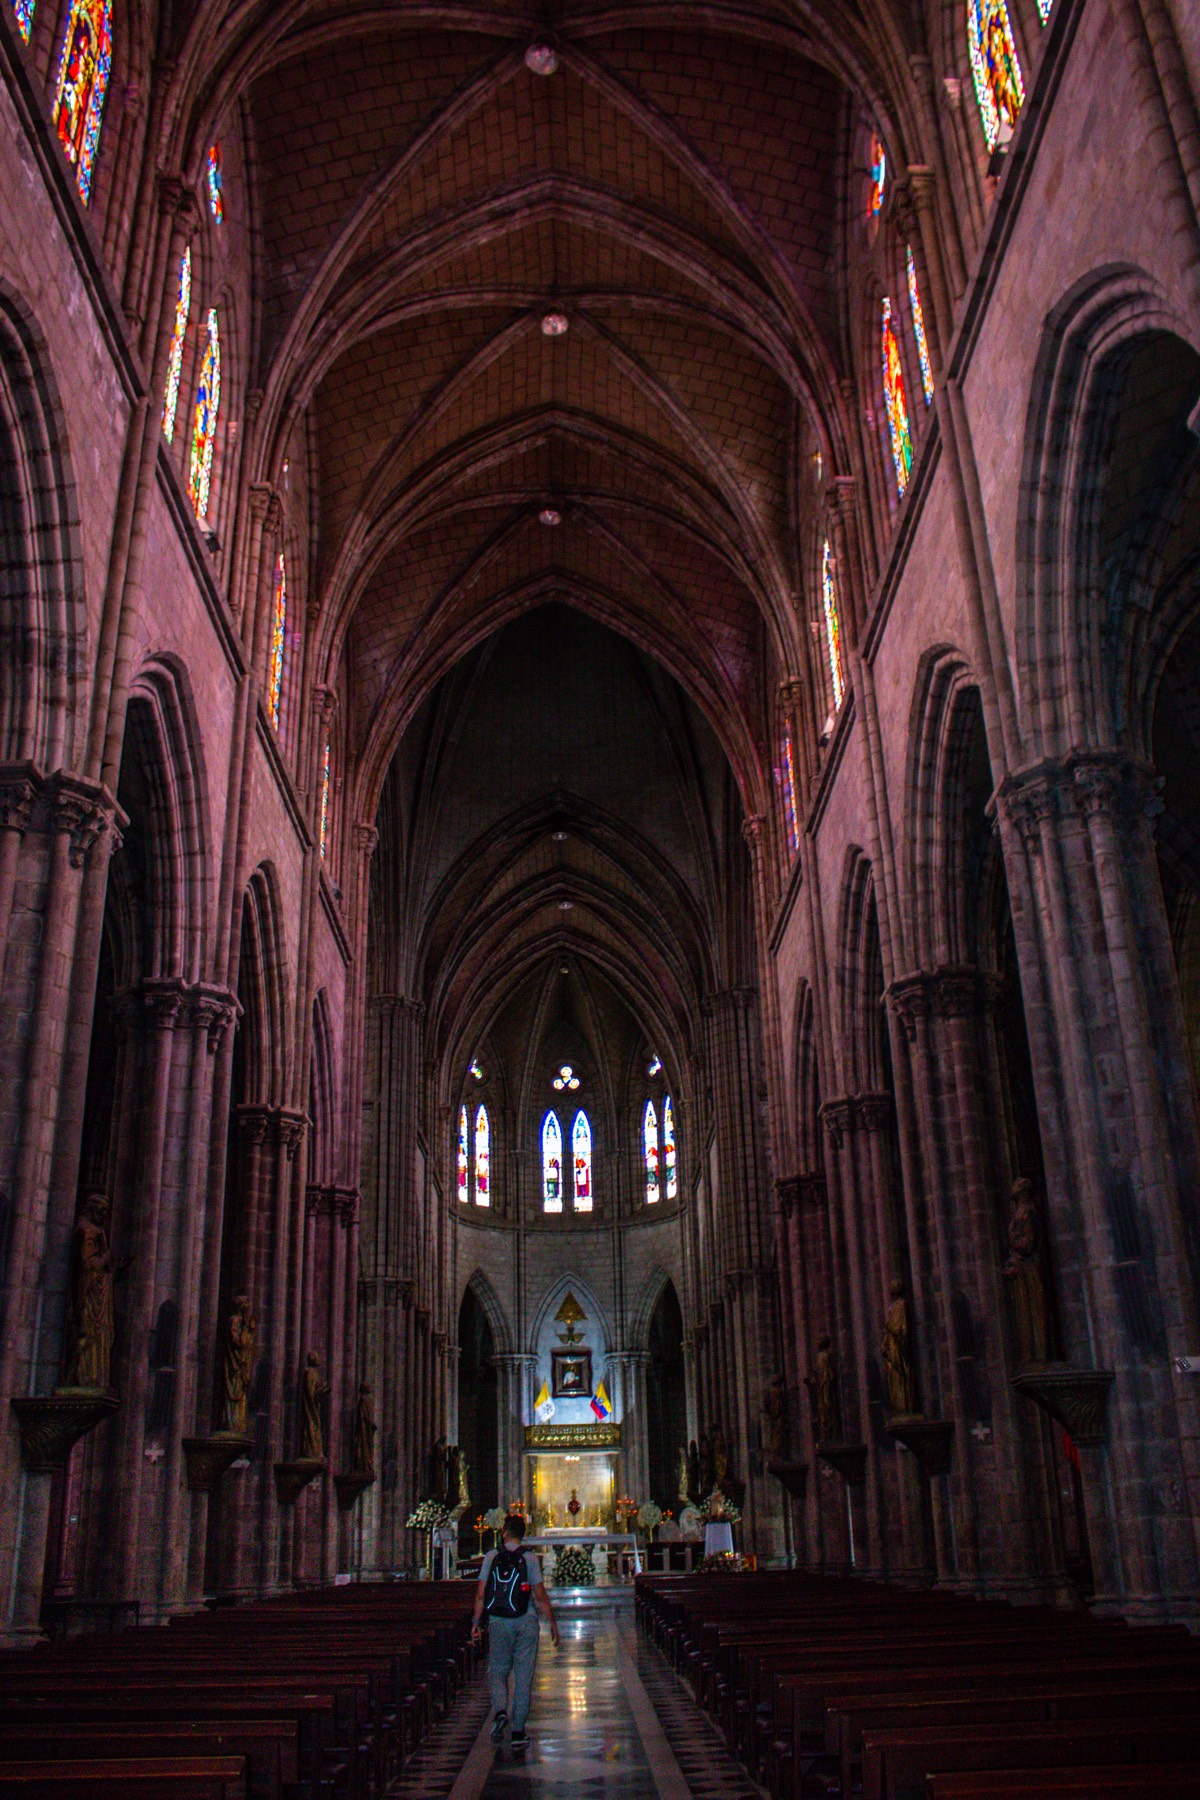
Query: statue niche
[[90, 1326]]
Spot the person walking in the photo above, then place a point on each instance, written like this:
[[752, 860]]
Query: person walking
[[511, 1577]]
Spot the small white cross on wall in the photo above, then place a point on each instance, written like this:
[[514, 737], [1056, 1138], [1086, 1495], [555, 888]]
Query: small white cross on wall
[[982, 1432], [153, 1453]]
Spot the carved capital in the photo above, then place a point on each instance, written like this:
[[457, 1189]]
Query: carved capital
[[213, 1011], [253, 1124], [752, 830], [318, 1201], [85, 810], [837, 1118], [19, 784], [177, 202], [163, 1001], [347, 1204], [812, 1191], [787, 1193], [922, 185], [290, 1128], [366, 837]]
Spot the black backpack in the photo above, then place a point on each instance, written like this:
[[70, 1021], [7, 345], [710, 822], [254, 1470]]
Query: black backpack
[[508, 1588]]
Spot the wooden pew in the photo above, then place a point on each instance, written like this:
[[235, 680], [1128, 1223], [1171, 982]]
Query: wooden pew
[[1175, 1781], [269, 1745], [150, 1778], [896, 1763]]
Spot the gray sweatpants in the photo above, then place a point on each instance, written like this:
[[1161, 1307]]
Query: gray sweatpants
[[512, 1646]]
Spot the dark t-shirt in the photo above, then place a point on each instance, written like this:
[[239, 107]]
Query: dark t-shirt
[[533, 1568]]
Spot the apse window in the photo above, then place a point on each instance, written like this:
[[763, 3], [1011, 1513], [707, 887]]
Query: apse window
[[552, 1184], [474, 1159], [581, 1163], [660, 1160]]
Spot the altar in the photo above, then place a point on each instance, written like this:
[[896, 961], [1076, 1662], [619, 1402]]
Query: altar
[[616, 1555]]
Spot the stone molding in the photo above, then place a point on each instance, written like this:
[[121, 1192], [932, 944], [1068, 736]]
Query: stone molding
[[951, 991], [1080, 785], [857, 1112], [280, 1124], [30, 799]]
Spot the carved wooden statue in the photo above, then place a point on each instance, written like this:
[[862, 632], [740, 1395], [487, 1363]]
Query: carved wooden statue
[[1025, 1273], [88, 1362], [720, 1456], [435, 1477], [773, 1423], [896, 1351], [364, 1431], [312, 1391], [238, 1367], [821, 1382], [682, 1475]]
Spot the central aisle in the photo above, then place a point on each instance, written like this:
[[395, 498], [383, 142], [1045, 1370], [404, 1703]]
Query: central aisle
[[593, 1731]]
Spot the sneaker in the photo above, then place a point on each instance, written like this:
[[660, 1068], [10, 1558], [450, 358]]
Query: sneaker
[[518, 1740], [498, 1727]]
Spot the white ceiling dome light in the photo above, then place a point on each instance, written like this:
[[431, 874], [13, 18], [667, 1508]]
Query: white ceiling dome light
[[541, 59]]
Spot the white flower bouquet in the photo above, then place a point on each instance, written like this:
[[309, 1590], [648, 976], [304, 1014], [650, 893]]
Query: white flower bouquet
[[573, 1567], [429, 1516], [649, 1516]]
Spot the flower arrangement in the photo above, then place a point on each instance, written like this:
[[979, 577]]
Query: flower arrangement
[[431, 1515], [573, 1567], [718, 1506], [725, 1562], [493, 1518], [649, 1516]]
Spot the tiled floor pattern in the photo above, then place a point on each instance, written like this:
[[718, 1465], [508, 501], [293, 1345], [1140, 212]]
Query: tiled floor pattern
[[592, 1733]]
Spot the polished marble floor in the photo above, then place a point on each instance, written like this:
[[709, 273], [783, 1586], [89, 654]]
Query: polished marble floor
[[608, 1719]]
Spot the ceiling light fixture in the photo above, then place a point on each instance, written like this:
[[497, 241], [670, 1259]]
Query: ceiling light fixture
[[565, 905], [548, 516], [555, 324], [541, 59]]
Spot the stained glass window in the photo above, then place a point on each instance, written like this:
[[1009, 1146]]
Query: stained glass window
[[183, 306], [483, 1158], [670, 1164], [833, 624], [650, 1152], [204, 425], [552, 1193], [279, 601], [462, 1152], [324, 821], [216, 184], [1043, 9], [83, 73], [996, 67], [24, 12], [918, 319], [897, 405], [581, 1159], [878, 178], [787, 778]]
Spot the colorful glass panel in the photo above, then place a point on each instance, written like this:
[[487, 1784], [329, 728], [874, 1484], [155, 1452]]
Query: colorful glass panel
[[897, 405], [918, 319], [581, 1161], [995, 66], [878, 180], [833, 625], [462, 1153], [1044, 9], [204, 424], [670, 1161], [279, 601], [24, 12], [787, 776], [650, 1152], [183, 306], [483, 1158], [552, 1193], [326, 761], [83, 72], [216, 184]]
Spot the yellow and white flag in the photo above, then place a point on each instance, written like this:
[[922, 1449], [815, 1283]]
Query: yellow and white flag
[[543, 1406]]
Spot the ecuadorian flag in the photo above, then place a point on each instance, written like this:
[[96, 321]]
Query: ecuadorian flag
[[601, 1405]]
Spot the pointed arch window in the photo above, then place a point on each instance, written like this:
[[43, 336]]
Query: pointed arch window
[[895, 401], [670, 1161], [833, 624], [650, 1153], [581, 1163], [279, 606], [216, 184], [877, 179], [183, 306], [787, 781], [24, 12], [483, 1158], [83, 71], [326, 761], [918, 319], [995, 67], [552, 1182], [1044, 7], [204, 423], [463, 1153]]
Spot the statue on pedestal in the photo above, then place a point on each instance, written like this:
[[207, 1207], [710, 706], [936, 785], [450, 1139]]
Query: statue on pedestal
[[682, 1488], [364, 1431], [312, 1391], [821, 1382], [90, 1328], [707, 1479], [693, 1471], [238, 1367], [896, 1352], [773, 1422], [720, 1456], [1025, 1273], [435, 1476]]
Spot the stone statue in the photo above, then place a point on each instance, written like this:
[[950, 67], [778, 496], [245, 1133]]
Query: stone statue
[[821, 1382], [720, 1457], [681, 1475], [312, 1391], [364, 1431], [455, 1477], [773, 1422], [238, 1367], [1024, 1271], [896, 1352], [464, 1479], [693, 1471], [90, 1313], [707, 1478], [435, 1479]]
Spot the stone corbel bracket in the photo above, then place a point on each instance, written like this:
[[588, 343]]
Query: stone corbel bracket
[[850, 1460], [291, 1479], [930, 1440], [52, 1424], [792, 1477], [1077, 1398], [350, 1486], [208, 1458]]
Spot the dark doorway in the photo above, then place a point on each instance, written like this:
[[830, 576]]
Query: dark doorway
[[478, 1412], [666, 1399]]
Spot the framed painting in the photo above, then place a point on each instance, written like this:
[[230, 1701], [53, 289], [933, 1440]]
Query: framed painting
[[571, 1374]]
